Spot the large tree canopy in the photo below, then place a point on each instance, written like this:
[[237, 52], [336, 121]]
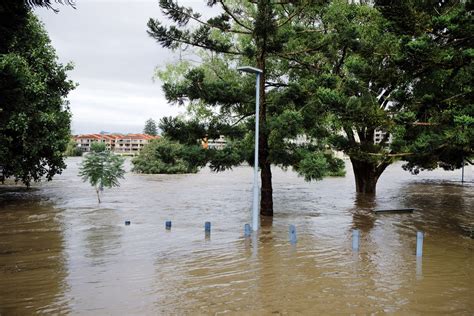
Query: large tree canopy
[[34, 117], [436, 39], [14, 16], [349, 72], [380, 83], [246, 33]]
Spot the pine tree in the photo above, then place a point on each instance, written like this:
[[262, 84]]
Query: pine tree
[[246, 33], [150, 127], [437, 59], [345, 69], [402, 69]]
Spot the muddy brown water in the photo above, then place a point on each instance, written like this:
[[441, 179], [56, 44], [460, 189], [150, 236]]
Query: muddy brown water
[[62, 253]]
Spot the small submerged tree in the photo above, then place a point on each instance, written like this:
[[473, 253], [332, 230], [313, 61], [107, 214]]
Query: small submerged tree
[[102, 168]]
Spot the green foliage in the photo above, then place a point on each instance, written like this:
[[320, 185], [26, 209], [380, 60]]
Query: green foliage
[[220, 100], [193, 131], [72, 149], [98, 147], [35, 119], [150, 128], [334, 71], [317, 165], [102, 169], [13, 17], [340, 86], [162, 156], [48, 3], [437, 59]]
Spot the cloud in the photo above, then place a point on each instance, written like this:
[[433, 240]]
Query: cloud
[[117, 105], [114, 63]]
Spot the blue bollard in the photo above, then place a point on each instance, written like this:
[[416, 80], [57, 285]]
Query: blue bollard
[[355, 240], [247, 230], [207, 227], [127, 223], [168, 225], [419, 244], [292, 234]]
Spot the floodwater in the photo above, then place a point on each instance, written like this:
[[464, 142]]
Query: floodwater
[[62, 253]]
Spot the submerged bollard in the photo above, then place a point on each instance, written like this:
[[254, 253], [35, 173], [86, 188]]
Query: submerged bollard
[[207, 230], [168, 225], [127, 223], [419, 244], [247, 230], [207, 227], [292, 234], [355, 239]]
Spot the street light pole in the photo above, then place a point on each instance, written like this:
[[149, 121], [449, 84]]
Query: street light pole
[[258, 72]]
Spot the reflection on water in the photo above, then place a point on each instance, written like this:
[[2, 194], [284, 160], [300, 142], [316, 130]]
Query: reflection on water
[[32, 258], [61, 252]]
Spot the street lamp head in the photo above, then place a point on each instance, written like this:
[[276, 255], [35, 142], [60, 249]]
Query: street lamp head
[[249, 69]]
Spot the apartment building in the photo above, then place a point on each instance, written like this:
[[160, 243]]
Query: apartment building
[[380, 135], [118, 143]]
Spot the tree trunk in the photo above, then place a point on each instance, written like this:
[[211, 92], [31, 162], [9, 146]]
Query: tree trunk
[[266, 193], [366, 175], [266, 199], [98, 194]]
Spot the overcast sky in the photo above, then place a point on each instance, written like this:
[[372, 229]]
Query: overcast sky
[[114, 62]]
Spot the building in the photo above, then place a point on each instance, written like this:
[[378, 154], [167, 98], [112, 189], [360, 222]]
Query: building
[[380, 135], [129, 144], [218, 143]]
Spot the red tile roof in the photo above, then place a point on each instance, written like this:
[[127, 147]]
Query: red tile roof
[[113, 137]]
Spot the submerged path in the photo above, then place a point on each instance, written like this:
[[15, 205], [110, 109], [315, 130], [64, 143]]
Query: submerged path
[[60, 252]]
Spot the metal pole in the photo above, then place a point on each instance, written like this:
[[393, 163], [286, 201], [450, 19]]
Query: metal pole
[[255, 223]]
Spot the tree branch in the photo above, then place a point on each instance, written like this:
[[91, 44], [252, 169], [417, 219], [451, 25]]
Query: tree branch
[[229, 12], [390, 155], [302, 63], [275, 84], [242, 118], [181, 39], [207, 24], [297, 12], [338, 66], [350, 135]]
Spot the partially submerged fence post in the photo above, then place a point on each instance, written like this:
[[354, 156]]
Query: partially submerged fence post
[[247, 230], [355, 240], [419, 244], [207, 228], [292, 234]]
